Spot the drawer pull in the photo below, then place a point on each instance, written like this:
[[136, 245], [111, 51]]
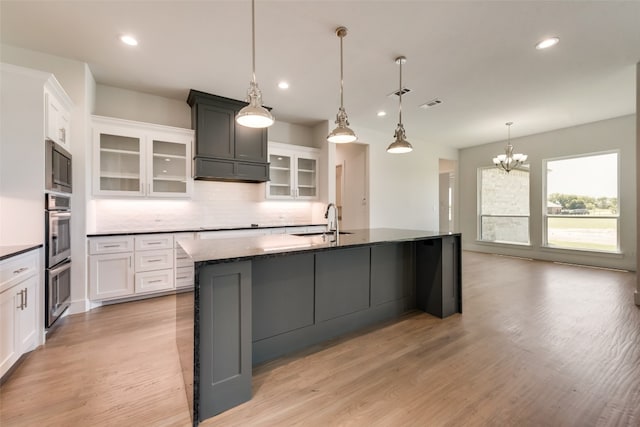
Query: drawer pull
[[111, 246], [154, 260], [155, 281], [154, 243], [20, 270], [182, 277]]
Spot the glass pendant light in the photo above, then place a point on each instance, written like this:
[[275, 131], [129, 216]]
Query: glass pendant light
[[342, 133], [400, 145], [254, 115], [509, 161]]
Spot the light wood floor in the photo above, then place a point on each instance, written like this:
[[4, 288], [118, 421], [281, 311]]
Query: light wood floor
[[539, 344]]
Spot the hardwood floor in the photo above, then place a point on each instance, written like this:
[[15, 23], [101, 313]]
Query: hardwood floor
[[539, 344]]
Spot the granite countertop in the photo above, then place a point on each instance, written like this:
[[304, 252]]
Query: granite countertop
[[10, 251], [239, 248], [195, 230]]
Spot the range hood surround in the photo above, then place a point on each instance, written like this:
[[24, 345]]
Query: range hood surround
[[225, 150]]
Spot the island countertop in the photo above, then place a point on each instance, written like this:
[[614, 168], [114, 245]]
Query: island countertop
[[240, 248]]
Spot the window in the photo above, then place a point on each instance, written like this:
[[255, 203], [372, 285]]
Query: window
[[504, 205], [582, 203]]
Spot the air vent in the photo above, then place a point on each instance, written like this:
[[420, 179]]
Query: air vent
[[397, 93], [431, 103]]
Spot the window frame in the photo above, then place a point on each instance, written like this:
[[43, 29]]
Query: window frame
[[480, 215], [546, 216]]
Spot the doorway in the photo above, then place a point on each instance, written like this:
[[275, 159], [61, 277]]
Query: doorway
[[446, 194], [352, 185]]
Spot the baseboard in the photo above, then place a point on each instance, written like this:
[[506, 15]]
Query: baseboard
[[637, 297], [78, 306]]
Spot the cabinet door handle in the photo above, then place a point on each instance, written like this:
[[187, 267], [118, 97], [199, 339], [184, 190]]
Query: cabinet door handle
[[21, 306]]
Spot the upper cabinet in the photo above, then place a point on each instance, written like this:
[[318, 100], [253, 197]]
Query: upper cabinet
[[140, 159], [57, 114], [224, 150], [294, 172]]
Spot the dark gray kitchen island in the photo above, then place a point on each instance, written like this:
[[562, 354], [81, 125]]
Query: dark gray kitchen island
[[258, 298]]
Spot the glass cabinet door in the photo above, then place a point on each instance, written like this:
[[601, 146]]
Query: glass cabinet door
[[280, 175], [306, 179], [169, 167], [120, 163]]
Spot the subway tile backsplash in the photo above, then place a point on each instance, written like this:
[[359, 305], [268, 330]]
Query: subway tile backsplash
[[213, 205]]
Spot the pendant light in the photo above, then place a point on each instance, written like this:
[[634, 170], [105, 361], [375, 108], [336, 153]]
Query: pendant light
[[400, 145], [342, 133], [254, 115], [509, 161]]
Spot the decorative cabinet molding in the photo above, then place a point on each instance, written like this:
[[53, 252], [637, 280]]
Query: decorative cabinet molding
[[140, 159], [294, 172]]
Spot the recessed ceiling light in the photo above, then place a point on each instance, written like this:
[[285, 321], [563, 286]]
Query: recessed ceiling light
[[551, 41], [130, 40], [382, 113], [283, 85]]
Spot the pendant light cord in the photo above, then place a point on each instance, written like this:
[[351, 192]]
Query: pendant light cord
[[253, 37], [341, 74], [400, 92]]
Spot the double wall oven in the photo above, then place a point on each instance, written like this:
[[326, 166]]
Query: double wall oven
[[58, 256]]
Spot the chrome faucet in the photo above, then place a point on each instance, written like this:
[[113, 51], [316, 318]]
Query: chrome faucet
[[335, 218]]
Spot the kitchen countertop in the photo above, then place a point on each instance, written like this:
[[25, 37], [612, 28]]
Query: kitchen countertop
[[195, 230], [240, 248], [11, 251]]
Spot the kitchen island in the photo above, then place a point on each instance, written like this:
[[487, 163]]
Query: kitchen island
[[258, 298]]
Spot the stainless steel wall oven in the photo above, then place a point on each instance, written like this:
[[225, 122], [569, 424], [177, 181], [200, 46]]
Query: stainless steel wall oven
[[57, 256]]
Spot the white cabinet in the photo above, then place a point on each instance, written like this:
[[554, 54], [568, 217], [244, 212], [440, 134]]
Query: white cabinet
[[19, 290], [140, 159], [110, 271], [128, 266], [293, 172], [57, 116]]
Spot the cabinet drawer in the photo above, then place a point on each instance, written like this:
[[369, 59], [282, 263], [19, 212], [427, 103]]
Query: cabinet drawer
[[18, 268], [154, 241], [182, 259], [153, 260], [153, 281], [109, 245], [184, 276]]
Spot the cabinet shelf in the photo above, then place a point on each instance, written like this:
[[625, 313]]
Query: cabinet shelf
[[306, 186], [279, 168], [169, 156], [117, 151], [307, 170], [170, 178], [119, 175], [279, 185]]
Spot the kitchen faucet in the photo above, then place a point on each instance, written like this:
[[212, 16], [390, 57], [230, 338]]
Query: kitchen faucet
[[335, 217]]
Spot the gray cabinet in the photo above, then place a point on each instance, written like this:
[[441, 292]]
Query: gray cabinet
[[438, 276], [342, 282], [224, 330], [392, 276], [225, 150]]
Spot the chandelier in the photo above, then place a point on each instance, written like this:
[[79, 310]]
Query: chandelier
[[509, 161]]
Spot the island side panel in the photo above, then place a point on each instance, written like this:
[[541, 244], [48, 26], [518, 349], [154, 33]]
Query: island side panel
[[438, 278], [225, 367], [185, 315]]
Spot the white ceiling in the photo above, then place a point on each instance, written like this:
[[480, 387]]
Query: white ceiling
[[477, 56]]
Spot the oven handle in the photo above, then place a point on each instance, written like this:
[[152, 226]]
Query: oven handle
[[59, 214], [58, 270]]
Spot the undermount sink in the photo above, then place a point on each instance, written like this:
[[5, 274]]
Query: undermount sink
[[320, 233]]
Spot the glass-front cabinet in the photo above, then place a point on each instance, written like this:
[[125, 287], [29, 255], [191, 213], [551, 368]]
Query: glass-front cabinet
[[293, 172], [140, 159]]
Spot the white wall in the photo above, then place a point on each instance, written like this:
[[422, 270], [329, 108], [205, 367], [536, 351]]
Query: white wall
[[355, 196], [403, 188], [613, 134]]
